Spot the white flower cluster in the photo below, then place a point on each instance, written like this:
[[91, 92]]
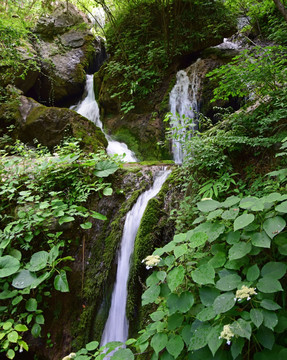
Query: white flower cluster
[[204, 199], [245, 293], [226, 334], [151, 261], [70, 356]]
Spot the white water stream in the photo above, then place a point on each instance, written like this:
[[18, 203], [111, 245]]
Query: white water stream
[[88, 107], [183, 106], [116, 328]]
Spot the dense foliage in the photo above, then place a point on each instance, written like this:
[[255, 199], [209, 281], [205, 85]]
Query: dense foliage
[[42, 195]]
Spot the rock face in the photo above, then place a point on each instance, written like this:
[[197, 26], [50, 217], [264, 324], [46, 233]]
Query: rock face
[[50, 125], [67, 50]]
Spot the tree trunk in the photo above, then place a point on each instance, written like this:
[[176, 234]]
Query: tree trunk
[[281, 8]]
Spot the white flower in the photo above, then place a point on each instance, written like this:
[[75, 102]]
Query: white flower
[[151, 261], [245, 293], [226, 334], [70, 356]]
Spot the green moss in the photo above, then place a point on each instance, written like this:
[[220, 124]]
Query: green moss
[[125, 136]]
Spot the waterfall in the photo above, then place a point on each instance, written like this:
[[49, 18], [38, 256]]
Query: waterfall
[[183, 106], [116, 328], [88, 107]]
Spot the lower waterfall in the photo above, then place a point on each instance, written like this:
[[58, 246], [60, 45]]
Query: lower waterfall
[[116, 328], [88, 107]]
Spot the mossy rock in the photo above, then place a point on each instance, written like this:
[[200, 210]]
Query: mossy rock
[[50, 125]]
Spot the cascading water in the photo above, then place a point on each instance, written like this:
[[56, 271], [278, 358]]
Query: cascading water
[[88, 107], [183, 106], [116, 328]]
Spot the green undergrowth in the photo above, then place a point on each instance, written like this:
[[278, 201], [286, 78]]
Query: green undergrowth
[[43, 198]]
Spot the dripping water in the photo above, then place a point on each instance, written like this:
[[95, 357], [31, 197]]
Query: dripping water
[[88, 107], [116, 328], [183, 106]]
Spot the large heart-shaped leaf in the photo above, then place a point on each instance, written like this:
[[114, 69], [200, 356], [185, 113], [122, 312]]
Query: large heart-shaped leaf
[[105, 168], [8, 266]]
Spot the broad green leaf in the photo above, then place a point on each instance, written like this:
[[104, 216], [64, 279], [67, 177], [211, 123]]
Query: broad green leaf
[[208, 205], [214, 214], [123, 354], [217, 260], [197, 240], [161, 275], [180, 250], [212, 230], [265, 337], [199, 338], [105, 168], [206, 314], [253, 273], [274, 226], [269, 305], [65, 219], [108, 191], [8, 266], [230, 214], [282, 207], [230, 201], [159, 342], [21, 328], [224, 303], [233, 237], [274, 270], [6, 294], [61, 282], [36, 330], [239, 250], [248, 202], [269, 285], [179, 238], [40, 319], [10, 354], [175, 321], [241, 328], [175, 277], [242, 221], [203, 275], [186, 334], [31, 305], [151, 294], [256, 317], [182, 302], [98, 216], [15, 253], [175, 345], [53, 254], [92, 345], [273, 197], [236, 347], [24, 279], [270, 319], [157, 315], [213, 340], [208, 295], [86, 225], [228, 282], [38, 261], [13, 336], [261, 239]]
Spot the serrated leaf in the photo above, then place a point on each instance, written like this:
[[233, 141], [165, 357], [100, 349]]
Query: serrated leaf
[[256, 317], [270, 319], [253, 273], [269, 285], [213, 340], [228, 282], [92, 345], [203, 275], [159, 342], [265, 337], [275, 270], [241, 328], [175, 277], [199, 338], [175, 345], [150, 295], [274, 226], [261, 239], [242, 221], [239, 250], [208, 205], [182, 302], [224, 303], [197, 239], [206, 314], [269, 305]]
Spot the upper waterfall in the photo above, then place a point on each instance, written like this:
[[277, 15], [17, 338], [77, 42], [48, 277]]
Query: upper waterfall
[[89, 108], [183, 106]]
